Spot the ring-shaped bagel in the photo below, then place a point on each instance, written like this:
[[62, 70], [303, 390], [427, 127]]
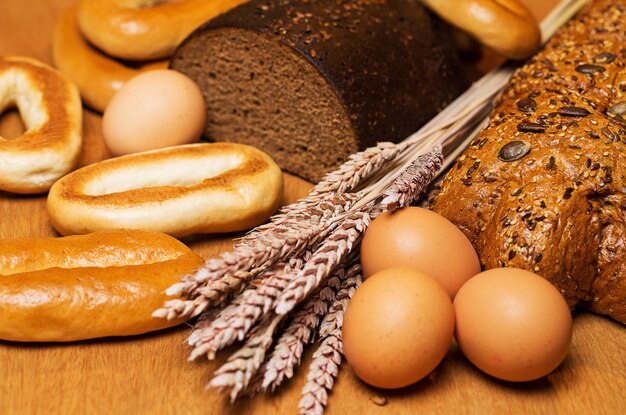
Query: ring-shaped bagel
[[506, 26], [50, 107], [180, 190], [97, 75], [145, 29]]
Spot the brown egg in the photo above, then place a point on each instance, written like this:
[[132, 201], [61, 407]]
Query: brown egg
[[512, 324], [155, 109], [421, 239], [397, 328]]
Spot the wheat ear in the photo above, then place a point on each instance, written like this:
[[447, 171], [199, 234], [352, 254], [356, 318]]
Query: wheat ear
[[299, 332], [405, 188], [234, 322], [327, 358], [236, 373], [321, 375]]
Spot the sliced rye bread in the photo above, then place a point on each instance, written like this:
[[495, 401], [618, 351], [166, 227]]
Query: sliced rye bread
[[311, 82]]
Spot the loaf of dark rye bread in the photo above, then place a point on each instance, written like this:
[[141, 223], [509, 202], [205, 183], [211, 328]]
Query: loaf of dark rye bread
[[312, 81], [543, 186]]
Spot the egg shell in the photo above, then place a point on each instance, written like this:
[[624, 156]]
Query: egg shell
[[155, 109], [512, 324], [398, 326], [421, 239]]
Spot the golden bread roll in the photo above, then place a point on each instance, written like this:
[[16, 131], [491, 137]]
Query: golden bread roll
[[506, 26], [97, 75], [180, 190], [50, 107], [144, 29], [88, 286]]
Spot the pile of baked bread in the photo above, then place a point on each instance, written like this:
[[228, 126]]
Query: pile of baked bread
[[309, 83]]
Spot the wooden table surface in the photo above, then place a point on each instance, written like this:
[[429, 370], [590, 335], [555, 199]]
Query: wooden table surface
[[150, 374]]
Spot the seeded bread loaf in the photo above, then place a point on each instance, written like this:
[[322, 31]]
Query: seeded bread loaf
[[311, 82], [543, 186]]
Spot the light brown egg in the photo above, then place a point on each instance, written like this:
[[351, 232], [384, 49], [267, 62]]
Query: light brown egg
[[155, 109], [397, 328], [512, 324], [421, 239]]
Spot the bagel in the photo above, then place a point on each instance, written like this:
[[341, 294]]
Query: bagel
[[88, 286], [181, 190], [505, 26], [97, 76], [144, 29], [51, 109]]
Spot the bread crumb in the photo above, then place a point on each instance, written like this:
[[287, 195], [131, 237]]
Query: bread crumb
[[378, 400]]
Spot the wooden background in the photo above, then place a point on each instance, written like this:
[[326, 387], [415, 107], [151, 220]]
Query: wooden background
[[150, 374]]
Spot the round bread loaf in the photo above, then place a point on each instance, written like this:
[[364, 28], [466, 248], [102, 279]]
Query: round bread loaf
[[311, 82]]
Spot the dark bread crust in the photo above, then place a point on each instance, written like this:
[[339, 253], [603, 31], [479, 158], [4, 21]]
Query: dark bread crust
[[389, 64], [559, 210]]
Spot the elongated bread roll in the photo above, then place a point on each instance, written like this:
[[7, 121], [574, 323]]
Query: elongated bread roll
[[88, 286]]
